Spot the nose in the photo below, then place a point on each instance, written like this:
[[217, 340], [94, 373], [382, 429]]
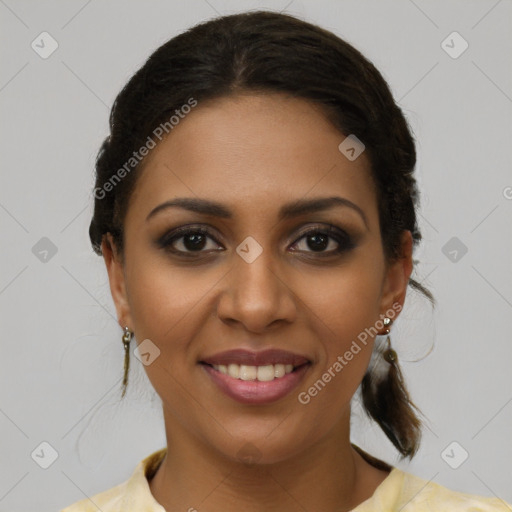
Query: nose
[[257, 295]]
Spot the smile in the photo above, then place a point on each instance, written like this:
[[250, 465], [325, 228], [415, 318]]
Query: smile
[[256, 383], [264, 373]]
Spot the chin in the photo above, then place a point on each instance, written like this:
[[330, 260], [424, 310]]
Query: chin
[[263, 449]]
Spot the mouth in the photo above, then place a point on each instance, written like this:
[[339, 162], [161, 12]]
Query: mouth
[[264, 373], [256, 377]]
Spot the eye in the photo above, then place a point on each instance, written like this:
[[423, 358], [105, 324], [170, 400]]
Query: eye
[[194, 240], [187, 240], [319, 239]]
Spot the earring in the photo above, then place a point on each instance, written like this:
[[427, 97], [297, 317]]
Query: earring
[[387, 324], [386, 399], [389, 354], [127, 337]]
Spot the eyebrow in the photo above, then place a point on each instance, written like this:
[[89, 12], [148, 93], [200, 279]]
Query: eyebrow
[[287, 211]]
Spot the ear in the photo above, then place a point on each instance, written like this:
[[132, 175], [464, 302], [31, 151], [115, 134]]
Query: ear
[[115, 269], [395, 283]]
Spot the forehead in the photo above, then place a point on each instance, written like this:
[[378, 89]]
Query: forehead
[[253, 149]]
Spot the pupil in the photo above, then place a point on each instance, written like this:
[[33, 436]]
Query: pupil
[[319, 241], [194, 241]]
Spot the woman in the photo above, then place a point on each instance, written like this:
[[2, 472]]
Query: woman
[[255, 208]]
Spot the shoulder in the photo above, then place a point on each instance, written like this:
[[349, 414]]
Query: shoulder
[[105, 501], [425, 495], [132, 495]]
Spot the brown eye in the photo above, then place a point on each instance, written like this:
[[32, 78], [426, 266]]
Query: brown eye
[[194, 241], [187, 240], [319, 239]]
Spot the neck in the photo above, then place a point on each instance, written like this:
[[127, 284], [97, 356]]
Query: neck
[[329, 476]]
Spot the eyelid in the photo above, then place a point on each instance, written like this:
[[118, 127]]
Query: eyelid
[[323, 228]]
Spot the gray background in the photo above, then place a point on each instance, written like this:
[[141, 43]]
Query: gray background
[[62, 355]]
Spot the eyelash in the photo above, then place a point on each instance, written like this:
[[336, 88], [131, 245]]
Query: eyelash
[[338, 235]]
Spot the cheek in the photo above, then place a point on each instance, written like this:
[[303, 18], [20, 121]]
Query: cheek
[[163, 299], [346, 303], [346, 299], [164, 303], [343, 353]]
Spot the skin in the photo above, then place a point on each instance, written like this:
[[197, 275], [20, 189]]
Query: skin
[[254, 153]]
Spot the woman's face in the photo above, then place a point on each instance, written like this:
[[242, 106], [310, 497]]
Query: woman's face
[[255, 279]]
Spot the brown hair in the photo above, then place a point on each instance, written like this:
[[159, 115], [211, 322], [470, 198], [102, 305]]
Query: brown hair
[[271, 52]]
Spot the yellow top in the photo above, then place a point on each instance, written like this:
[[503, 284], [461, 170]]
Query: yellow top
[[396, 491]]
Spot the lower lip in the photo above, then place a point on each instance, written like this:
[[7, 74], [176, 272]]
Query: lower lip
[[254, 391]]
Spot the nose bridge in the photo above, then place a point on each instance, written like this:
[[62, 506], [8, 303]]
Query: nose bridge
[[257, 294], [255, 271], [255, 274]]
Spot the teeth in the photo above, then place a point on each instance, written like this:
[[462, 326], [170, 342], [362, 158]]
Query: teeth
[[279, 370], [233, 370], [248, 372], [262, 373], [266, 373]]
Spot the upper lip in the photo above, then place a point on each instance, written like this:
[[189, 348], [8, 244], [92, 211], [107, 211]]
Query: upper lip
[[251, 358]]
